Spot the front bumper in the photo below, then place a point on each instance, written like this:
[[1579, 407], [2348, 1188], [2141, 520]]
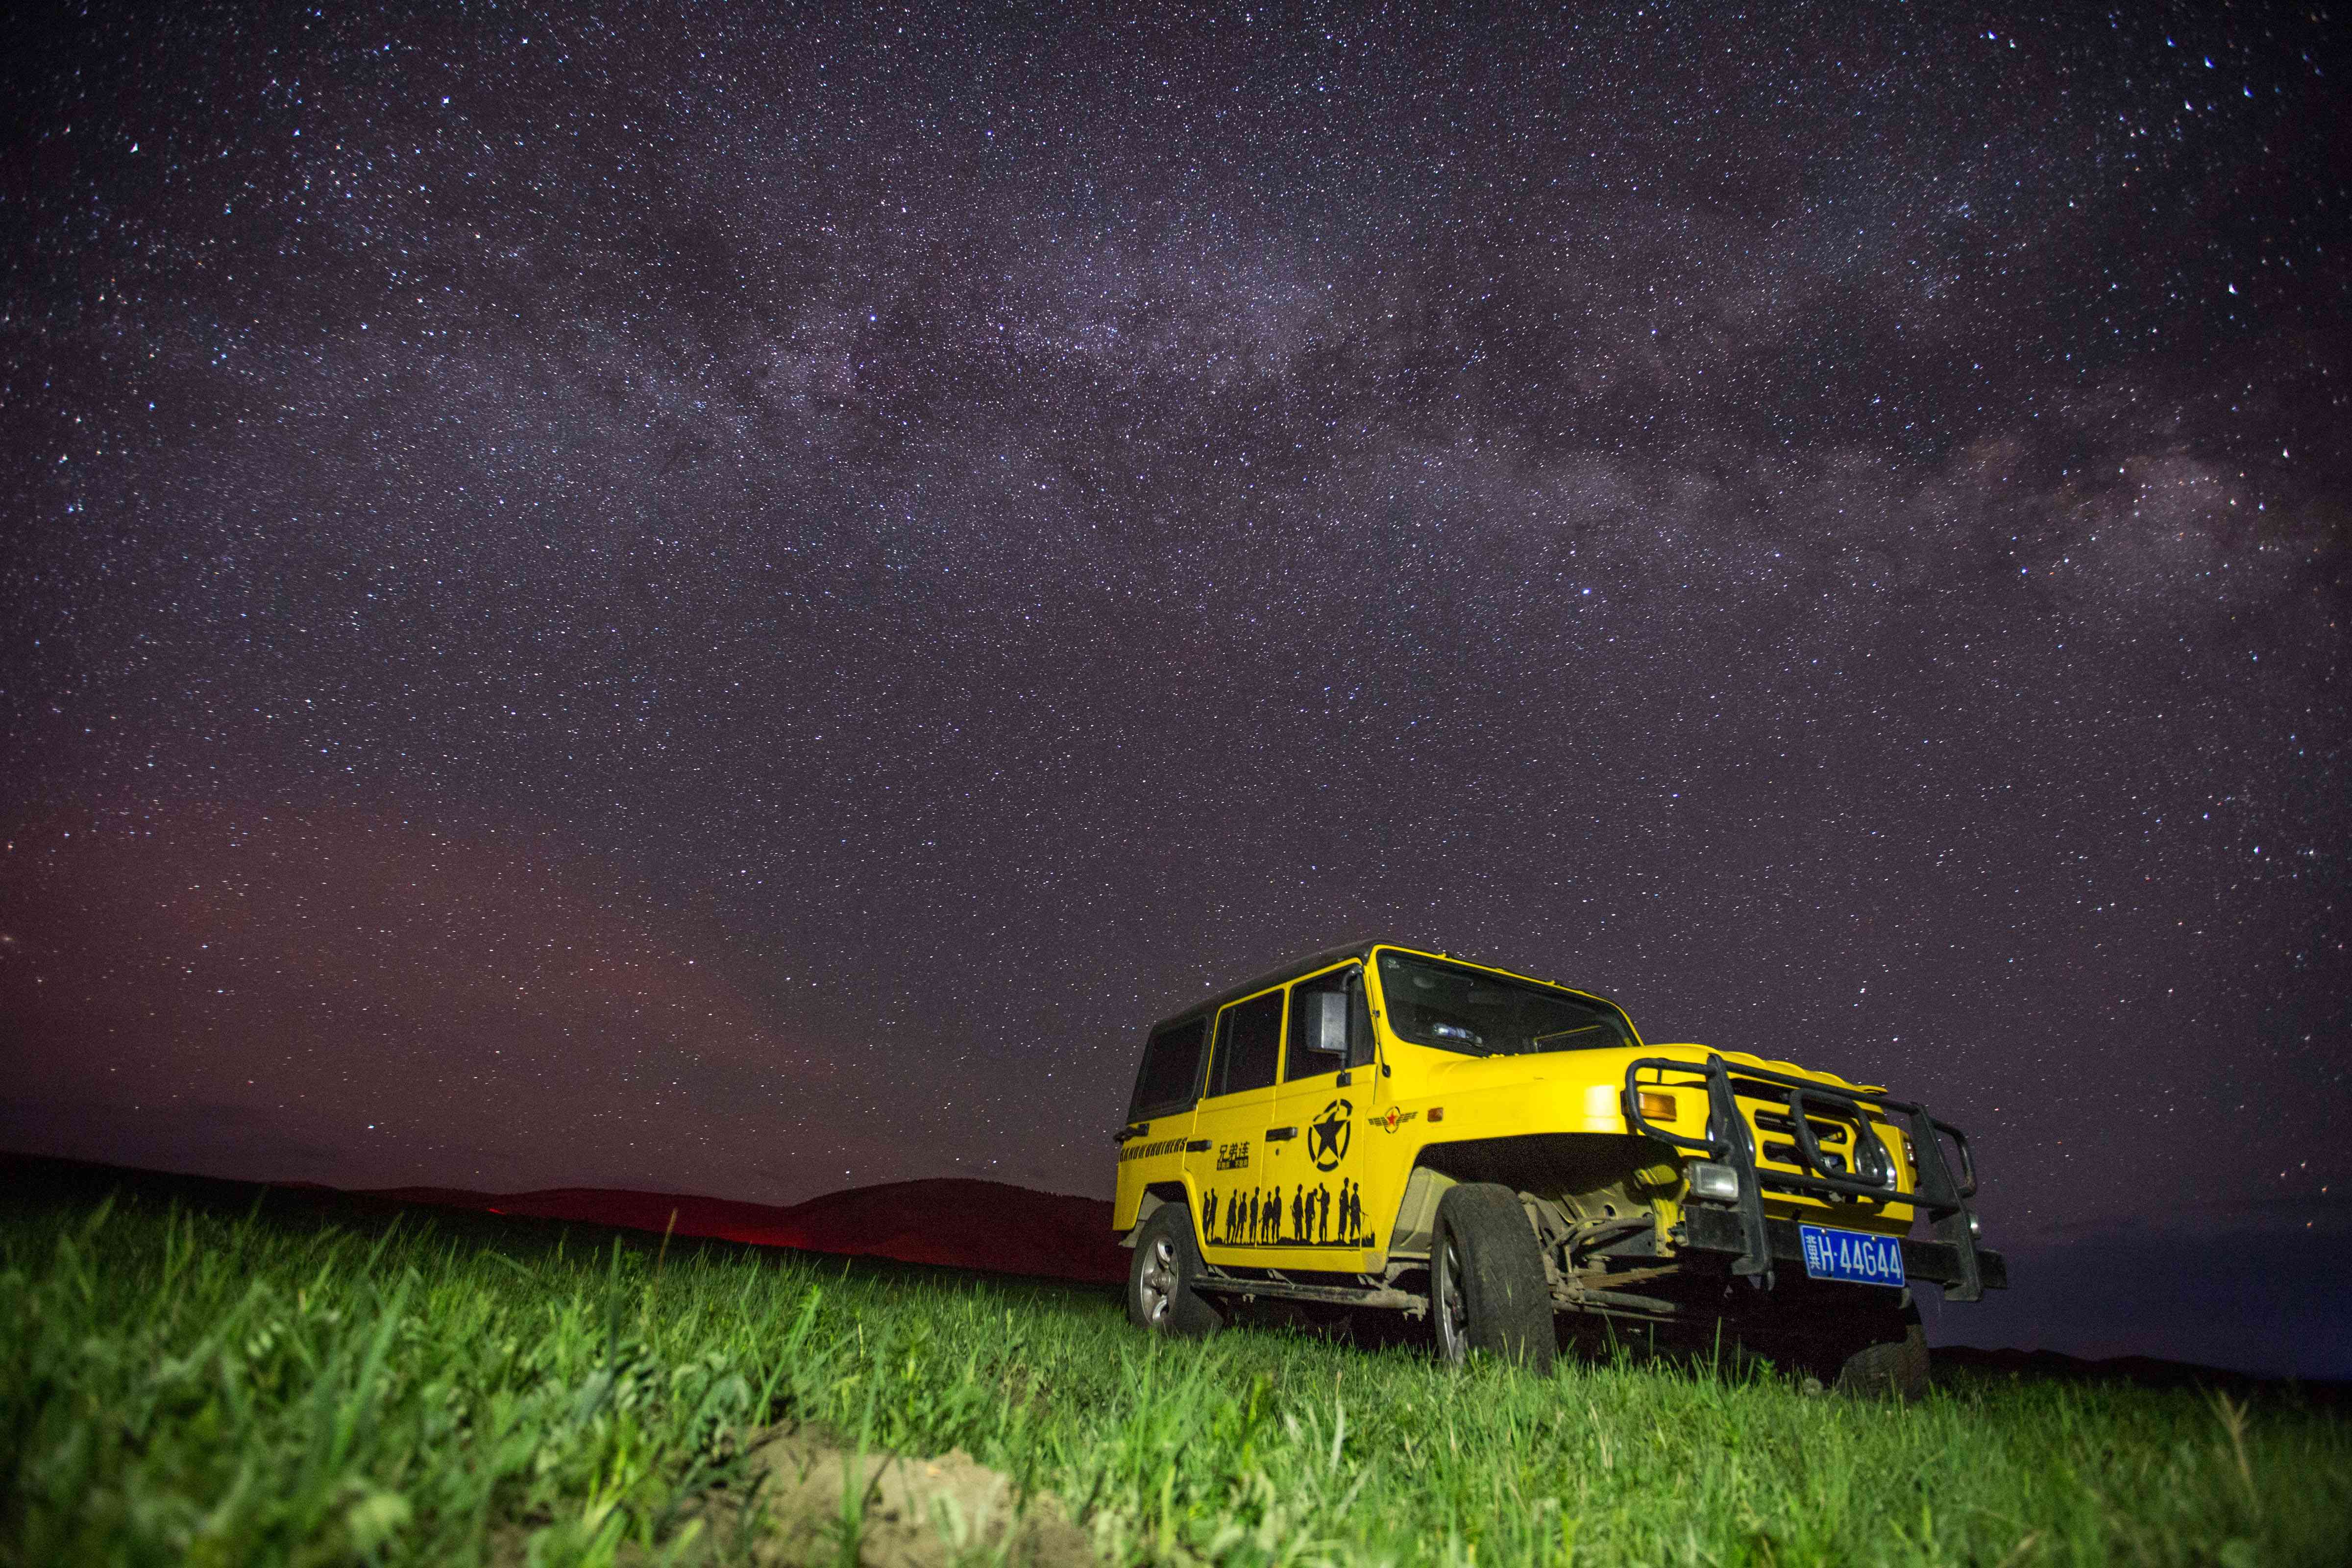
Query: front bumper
[[1707, 1228], [1754, 1241]]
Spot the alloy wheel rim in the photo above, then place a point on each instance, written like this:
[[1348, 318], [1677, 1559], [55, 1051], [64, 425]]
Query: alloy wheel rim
[[1159, 1280], [1449, 1312]]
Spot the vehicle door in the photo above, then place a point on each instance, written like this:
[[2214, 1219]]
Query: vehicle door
[[1331, 1197], [1226, 1156], [1159, 1113]]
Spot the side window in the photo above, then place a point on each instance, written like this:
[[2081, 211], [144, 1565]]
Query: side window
[[1331, 1026], [1171, 1073], [1249, 1044]]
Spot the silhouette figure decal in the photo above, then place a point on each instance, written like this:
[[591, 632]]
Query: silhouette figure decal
[[1317, 1216]]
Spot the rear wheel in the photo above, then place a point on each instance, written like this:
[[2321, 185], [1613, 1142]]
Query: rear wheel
[[1486, 1287], [1159, 1295]]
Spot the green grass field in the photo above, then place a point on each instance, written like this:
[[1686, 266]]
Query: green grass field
[[181, 1384]]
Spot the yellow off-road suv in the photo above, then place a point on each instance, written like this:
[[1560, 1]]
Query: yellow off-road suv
[[1382, 1127]]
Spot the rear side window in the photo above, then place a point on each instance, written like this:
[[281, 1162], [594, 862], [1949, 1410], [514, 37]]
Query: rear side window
[[1171, 1073], [1249, 1044]]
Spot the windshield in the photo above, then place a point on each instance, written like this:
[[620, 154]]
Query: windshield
[[1457, 1008]]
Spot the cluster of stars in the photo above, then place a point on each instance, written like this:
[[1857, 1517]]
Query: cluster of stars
[[892, 550]]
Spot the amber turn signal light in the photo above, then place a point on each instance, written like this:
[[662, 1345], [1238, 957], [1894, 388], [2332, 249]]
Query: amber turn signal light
[[1437, 1113], [1657, 1107]]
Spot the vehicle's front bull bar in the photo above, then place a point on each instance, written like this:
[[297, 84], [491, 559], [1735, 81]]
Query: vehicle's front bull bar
[[1728, 1141]]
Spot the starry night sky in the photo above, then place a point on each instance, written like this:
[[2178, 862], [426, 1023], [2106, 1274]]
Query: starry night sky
[[722, 603]]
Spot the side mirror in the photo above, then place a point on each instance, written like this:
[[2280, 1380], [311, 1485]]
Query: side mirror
[[1326, 1024]]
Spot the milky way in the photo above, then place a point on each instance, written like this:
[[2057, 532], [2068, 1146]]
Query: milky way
[[710, 601]]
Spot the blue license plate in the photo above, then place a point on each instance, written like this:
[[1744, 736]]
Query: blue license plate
[[1855, 1257]]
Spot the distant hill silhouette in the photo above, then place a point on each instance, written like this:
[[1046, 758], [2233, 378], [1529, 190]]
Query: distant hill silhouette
[[2148, 1372], [954, 1222]]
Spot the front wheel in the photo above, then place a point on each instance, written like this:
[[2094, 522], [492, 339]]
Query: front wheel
[[1487, 1286], [1893, 1362], [1159, 1295]]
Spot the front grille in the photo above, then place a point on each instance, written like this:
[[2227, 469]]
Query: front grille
[[1787, 1154], [1936, 1188], [1823, 1131]]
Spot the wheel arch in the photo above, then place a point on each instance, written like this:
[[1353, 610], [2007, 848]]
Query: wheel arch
[[1550, 1167], [1415, 1220], [1155, 1196]]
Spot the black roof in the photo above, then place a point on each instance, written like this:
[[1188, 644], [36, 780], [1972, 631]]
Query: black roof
[[1310, 962], [1275, 977]]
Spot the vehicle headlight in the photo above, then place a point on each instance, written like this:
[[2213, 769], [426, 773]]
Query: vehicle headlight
[[1720, 1182]]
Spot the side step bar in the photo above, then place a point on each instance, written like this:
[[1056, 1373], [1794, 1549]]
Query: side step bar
[[1290, 1290]]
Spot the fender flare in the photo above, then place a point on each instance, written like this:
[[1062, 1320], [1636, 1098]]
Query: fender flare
[[1154, 1196]]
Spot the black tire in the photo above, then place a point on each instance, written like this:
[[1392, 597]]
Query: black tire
[[1159, 1296], [1486, 1287], [1892, 1362]]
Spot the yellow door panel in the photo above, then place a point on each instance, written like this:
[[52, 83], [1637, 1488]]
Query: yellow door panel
[[1226, 1157], [1324, 1208]]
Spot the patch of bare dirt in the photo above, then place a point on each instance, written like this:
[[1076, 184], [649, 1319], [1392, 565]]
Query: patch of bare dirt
[[908, 1512]]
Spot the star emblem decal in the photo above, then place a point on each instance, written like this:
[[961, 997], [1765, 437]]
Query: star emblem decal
[[1326, 1135]]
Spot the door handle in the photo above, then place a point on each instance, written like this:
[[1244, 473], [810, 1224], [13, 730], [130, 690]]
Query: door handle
[[1277, 1134]]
